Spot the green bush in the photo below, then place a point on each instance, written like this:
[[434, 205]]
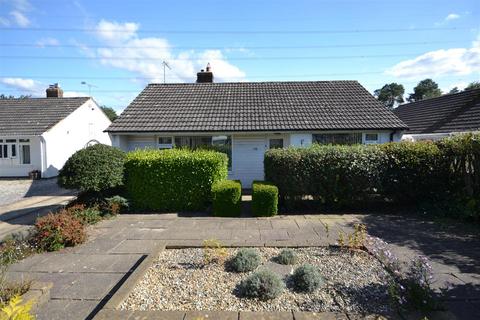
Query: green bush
[[306, 278], [263, 284], [245, 260], [227, 198], [116, 204], [264, 199], [87, 215], [286, 256], [96, 168], [174, 179]]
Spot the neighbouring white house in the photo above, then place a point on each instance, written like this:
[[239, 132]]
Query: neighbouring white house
[[247, 118], [441, 117], [40, 134]]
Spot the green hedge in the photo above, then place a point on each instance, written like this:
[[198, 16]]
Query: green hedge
[[442, 176], [175, 179], [264, 199], [227, 198]]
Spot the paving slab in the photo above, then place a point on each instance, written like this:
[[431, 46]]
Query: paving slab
[[155, 315], [266, 316], [319, 316], [211, 315], [135, 246]]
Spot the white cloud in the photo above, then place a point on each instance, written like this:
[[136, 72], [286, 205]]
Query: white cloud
[[18, 14], [459, 85], [29, 86], [456, 61], [452, 16], [124, 49], [50, 42]]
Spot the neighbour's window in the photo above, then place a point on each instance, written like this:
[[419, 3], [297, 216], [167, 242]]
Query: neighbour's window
[[338, 138], [276, 143], [371, 137], [218, 143], [25, 154], [23, 140], [164, 140], [13, 150]]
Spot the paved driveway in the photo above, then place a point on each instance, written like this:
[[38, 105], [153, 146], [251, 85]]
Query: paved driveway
[[85, 277], [13, 190]]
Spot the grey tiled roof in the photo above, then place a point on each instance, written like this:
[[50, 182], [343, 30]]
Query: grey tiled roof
[[34, 116], [449, 113], [255, 106]]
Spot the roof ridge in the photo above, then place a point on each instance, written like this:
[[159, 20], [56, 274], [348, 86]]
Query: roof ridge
[[248, 82], [449, 95]]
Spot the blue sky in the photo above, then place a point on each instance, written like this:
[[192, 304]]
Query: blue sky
[[119, 46]]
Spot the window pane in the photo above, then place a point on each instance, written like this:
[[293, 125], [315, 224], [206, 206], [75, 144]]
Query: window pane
[[193, 142], [26, 154], [276, 143], [22, 140], [371, 136], [5, 150], [1, 151], [164, 140], [11, 140], [14, 150], [338, 138]]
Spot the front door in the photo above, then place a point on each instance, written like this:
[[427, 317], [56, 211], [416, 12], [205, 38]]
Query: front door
[[247, 159]]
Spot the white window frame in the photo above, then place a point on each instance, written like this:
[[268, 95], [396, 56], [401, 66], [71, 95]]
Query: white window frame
[[26, 142], [369, 141]]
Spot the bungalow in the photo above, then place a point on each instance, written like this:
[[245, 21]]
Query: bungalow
[[437, 118], [40, 134], [247, 118]]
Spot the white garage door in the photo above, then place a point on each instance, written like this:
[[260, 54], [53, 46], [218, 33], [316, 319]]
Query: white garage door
[[247, 159]]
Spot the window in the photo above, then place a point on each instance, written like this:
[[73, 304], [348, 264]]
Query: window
[[276, 143], [25, 154], [164, 140], [217, 143], [371, 138], [338, 138], [13, 150], [3, 150]]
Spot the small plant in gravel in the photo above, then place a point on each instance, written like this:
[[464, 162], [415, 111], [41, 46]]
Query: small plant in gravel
[[307, 278], [56, 231], [354, 240], [263, 284], [286, 256], [213, 252], [246, 259]]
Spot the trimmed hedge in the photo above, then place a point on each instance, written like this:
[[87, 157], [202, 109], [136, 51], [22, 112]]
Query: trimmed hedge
[[264, 199], [96, 168], [227, 198], [174, 179], [442, 176]]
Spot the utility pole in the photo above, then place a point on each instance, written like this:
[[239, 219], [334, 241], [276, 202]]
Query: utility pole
[[165, 64]]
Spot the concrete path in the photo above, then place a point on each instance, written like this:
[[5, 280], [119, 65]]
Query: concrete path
[[86, 276]]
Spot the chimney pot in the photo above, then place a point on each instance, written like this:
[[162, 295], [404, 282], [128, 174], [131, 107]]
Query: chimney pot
[[54, 91], [205, 76]]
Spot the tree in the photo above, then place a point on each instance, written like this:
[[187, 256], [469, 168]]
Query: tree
[[473, 85], [390, 94], [454, 90], [110, 112], [425, 89]]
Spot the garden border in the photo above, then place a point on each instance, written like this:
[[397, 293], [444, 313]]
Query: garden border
[[110, 309]]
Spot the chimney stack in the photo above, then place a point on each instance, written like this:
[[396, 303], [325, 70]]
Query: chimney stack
[[54, 91], [205, 76]]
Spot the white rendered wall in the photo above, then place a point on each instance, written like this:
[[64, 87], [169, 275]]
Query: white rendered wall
[[73, 133]]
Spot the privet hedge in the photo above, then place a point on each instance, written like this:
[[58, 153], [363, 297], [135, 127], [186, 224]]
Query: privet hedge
[[175, 179], [264, 199], [227, 198], [441, 175]]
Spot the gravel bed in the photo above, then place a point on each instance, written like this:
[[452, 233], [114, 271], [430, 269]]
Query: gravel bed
[[355, 282]]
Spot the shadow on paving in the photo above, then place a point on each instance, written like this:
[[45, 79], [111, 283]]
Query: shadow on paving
[[453, 245]]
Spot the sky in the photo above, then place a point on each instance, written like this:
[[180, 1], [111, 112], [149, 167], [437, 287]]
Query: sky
[[117, 47]]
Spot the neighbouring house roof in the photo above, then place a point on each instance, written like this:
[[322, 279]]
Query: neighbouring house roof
[[457, 112], [34, 116], [255, 106]]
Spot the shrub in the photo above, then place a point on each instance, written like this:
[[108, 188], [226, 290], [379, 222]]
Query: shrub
[[89, 215], [16, 310], [94, 169], [175, 179], [263, 284], [287, 256], [213, 252], [116, 204], [245, 260], [227, 198], [56, 231], [306, 278], [264, 199]]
